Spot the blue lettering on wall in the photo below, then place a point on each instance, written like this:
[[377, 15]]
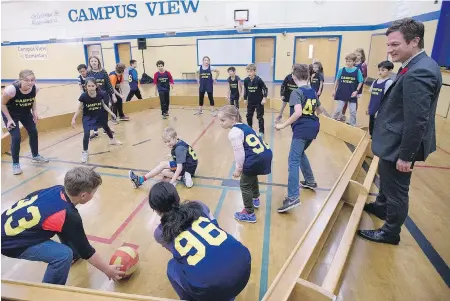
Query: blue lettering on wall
[[174, 7], [132, 12], [155, 8]]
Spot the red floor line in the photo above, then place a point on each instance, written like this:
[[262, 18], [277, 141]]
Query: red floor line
[[127, 244], [128, 220], [204, 131], [99, 239], [433, 167]]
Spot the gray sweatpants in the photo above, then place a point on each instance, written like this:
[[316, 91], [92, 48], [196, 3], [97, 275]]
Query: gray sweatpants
[[338, 113]]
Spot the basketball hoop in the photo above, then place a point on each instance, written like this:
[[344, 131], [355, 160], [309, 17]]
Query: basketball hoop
[[240, 26]]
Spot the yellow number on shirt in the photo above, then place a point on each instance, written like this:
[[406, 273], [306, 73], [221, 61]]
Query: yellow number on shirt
[[205, 232], [193, 242], [309, 107], [192, 153], [130, 78], [256, 144], [23, 223]]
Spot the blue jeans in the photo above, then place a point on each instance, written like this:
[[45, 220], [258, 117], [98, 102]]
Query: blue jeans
[[58, 256], [298, 160]]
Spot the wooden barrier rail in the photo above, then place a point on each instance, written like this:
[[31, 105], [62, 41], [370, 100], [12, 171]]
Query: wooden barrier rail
[[291, 284], [29, 291]]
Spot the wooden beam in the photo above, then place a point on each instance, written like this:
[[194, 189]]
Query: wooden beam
[[307, 291], [284, 283], [352, 192], [332, 278], [323, 239], [341, 130], [28, 291]]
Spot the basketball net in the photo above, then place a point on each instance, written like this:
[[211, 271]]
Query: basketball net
[[240, 25]]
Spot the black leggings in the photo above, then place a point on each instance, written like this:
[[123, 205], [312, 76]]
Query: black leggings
[[136, 92], [30, 126], [202, 96], [87, 131], [259, 108], [117, 107]]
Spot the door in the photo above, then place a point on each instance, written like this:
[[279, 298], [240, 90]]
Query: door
[[95, 50], [264, 58], [124, 51], [322, 49]]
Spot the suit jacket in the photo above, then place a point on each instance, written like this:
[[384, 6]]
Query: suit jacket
[[405, 125]]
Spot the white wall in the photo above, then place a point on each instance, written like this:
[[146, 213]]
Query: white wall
[[41, 20]]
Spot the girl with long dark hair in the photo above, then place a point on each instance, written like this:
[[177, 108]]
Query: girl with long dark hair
[[208, 263]]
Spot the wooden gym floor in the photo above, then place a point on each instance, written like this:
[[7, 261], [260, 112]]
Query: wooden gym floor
[[119, 214]]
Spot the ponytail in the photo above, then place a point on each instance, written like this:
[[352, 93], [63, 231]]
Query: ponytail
[[231, 112], [179, 218]]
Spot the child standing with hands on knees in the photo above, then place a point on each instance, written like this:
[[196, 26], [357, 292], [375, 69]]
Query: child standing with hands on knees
[[253, 158], [255, 93]]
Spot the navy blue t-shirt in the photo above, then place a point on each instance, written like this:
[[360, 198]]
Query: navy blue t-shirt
[[184, 154], [21, 104], [258, 156], [316, 80], [234, 87], [38, 217], [307, 126], [206, 80], [348, 83]]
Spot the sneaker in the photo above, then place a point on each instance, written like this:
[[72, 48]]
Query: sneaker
[[93, 136], [39, 159], [311, 186], [124, 118], [84, 156], [187, 180], [288, 204], [113, 141], [261, 135], [114, 121], [167, 114], [135, 180], [244, 216], [16, 169], [343, 118], [199, 112], [104, 132], [213, 112], [256, 203], [164, 116]]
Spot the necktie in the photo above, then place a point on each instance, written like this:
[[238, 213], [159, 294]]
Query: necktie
[[399, 72]]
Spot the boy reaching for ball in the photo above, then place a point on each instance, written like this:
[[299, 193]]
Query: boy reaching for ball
[[29, 225], [182, 165]]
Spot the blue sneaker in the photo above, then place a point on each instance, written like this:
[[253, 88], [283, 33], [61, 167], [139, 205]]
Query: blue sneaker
[[243, 216], [256, 203], [135, 180]]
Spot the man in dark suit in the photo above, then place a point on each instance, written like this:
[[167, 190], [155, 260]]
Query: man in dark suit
[[404, 130]]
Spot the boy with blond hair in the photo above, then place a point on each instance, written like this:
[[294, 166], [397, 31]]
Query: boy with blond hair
[[182, 165], [349, 80]]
